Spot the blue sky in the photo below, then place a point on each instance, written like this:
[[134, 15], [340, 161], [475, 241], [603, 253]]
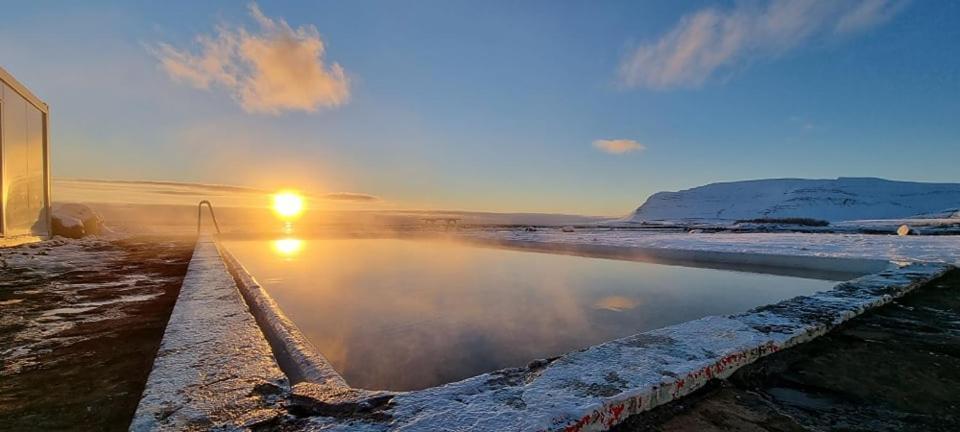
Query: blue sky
[[497, 105]]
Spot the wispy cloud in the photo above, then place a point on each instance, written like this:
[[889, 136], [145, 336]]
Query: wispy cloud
[[349, 196], [712, 40], [618, 146], [171, 192], [272, 69]]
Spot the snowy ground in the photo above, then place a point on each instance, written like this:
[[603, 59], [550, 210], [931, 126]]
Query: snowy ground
[[80, 322], [945, 249]]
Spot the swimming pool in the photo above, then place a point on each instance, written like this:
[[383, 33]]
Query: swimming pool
[[403, 314]]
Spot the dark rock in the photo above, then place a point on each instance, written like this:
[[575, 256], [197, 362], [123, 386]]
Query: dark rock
[[75, 220], [72, 230]]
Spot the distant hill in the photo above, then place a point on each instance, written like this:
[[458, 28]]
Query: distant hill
[[844, 198]]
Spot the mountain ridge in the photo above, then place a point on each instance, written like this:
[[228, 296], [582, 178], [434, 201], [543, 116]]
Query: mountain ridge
[[843, 198]]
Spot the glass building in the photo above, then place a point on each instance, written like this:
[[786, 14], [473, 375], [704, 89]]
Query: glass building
[[24, 164]]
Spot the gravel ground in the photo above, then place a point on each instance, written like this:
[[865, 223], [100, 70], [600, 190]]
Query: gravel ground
[[893, 369], [80, 322]]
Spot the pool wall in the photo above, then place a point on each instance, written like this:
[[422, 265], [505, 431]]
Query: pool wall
[[298, 358], [587, 390], [596, 388], [214, 367]]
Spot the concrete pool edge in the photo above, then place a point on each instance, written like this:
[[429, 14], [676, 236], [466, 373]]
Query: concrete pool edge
[[594, 388], [298, 358], [213, 367]]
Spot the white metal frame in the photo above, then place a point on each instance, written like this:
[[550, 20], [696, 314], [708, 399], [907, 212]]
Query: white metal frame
[[22, 90]]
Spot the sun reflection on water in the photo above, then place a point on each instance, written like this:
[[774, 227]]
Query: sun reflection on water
[[616, 303], [287, 247]]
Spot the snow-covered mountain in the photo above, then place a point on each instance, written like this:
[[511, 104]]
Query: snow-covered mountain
[[833, 200]]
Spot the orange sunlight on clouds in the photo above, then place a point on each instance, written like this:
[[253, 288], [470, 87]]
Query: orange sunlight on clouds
[[618, 146], [272, 70]]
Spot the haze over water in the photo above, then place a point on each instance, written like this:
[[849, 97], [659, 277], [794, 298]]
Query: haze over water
[[408, 314]]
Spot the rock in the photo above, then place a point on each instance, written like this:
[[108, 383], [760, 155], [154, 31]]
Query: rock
[[309, 399], [67, 227], [567, 228], [75, 220]]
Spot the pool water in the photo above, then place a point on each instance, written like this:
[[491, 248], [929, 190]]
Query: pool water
[[402, 314]]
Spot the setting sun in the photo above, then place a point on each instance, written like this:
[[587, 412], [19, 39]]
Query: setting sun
[[287, 204]]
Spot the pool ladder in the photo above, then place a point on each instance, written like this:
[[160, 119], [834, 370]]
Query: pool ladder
[[212, 215]]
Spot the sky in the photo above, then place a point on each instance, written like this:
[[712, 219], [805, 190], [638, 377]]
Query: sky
[[575, 107]]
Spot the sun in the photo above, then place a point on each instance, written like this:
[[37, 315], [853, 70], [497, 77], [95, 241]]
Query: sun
[[287, 204]]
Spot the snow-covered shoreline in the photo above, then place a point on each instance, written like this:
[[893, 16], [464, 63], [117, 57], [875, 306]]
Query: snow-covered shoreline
[[944, 249]]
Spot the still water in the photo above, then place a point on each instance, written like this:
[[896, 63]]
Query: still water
[[410, 314]]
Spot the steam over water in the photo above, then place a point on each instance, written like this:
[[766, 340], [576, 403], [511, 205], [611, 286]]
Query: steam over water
[[408, 314]]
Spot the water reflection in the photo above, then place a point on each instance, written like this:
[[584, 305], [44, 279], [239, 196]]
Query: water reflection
[[616, 303], [405, 314], [287, 248]]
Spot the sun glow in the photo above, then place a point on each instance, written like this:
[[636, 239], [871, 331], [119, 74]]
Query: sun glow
[[288, 205], [288, 247]]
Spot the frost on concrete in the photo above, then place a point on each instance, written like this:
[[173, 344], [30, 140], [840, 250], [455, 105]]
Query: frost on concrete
[[296, 355], [214, 369]]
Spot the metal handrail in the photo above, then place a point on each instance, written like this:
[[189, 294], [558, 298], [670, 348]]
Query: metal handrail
[[212, 215]]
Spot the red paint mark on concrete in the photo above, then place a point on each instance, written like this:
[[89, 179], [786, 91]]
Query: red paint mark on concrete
[[611, 415], [576, 427], [615, 412]]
